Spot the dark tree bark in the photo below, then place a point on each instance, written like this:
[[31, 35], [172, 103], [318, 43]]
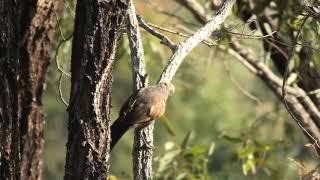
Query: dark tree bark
[[96, 32], [9, 124], [27, 30], [37, 20]]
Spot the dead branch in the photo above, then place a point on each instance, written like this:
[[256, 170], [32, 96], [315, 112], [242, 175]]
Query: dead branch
[[142, 157], [185, 47]]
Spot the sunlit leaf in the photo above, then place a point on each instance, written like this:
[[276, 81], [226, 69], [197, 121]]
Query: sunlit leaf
[[197, 150], [248, 150], [211, 148], [181, 176], [168, 145], [249, 165], [267, 28]]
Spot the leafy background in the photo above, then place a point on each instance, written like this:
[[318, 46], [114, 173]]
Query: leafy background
[[210, 130]]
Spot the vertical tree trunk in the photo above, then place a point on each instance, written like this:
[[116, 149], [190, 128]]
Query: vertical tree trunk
[[9, 125], [27, 30], [95, 36], [37, 31]]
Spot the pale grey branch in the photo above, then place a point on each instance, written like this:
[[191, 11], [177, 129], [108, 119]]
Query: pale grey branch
[[185, 47], [164, 39], [142, 157], [304, 110]]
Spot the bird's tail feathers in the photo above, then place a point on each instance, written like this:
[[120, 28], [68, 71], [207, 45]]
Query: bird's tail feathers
[[118, 129]]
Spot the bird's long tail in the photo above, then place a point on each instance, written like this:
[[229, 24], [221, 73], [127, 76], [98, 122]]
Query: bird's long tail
[[118, 129]]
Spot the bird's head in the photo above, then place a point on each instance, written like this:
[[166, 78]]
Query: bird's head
[[168, 86]]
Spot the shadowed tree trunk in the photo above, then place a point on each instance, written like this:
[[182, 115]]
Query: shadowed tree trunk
[[37, 31], [27, 30], [96, 32], [9, 137]]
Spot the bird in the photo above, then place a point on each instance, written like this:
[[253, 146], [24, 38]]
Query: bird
[[141, 109]]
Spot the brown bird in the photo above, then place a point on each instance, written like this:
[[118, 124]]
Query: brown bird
[[140, 109]]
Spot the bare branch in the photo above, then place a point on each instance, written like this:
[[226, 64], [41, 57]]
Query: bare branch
[[316, 91], [302, 108], [142, 157], [185, 47], [313, 11], [206, 42], [306, 113], [61, 71], [136, 47], [164, 39]]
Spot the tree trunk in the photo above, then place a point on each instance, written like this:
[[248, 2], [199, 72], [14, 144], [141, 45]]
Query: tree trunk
[[27, 30], [96, 32], [9, 125], [37, 30]]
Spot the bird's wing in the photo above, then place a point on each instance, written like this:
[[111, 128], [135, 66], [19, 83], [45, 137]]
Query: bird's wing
[[127, 106], [156, 110]]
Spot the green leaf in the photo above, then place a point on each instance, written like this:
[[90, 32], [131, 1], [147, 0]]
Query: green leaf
[[168, 145], [249, 165], [168, 125], [181, 176], [232, 139], [197, 150], [297, 22], [292, 78], [267, 27], [211, 148], [186, 140], [246, 151], [166, 160]]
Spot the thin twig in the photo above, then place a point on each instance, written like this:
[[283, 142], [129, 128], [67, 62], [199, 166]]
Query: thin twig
[[316, 141], [58, 22], [273, 82], [61, 72], [316, 91], [185, 47], [206, 42], [249, 36], [164, 39], [285, 76], [235, 82]]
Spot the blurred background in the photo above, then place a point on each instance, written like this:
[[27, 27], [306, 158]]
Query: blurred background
[[212, 128]]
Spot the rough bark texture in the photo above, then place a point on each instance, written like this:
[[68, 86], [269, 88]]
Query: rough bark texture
[[37, 27], [95, 36], [27, 30], [9, 125], [141, 157]]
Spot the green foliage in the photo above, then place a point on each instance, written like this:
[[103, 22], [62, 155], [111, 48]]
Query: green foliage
[[251, 140], [184, 161]]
